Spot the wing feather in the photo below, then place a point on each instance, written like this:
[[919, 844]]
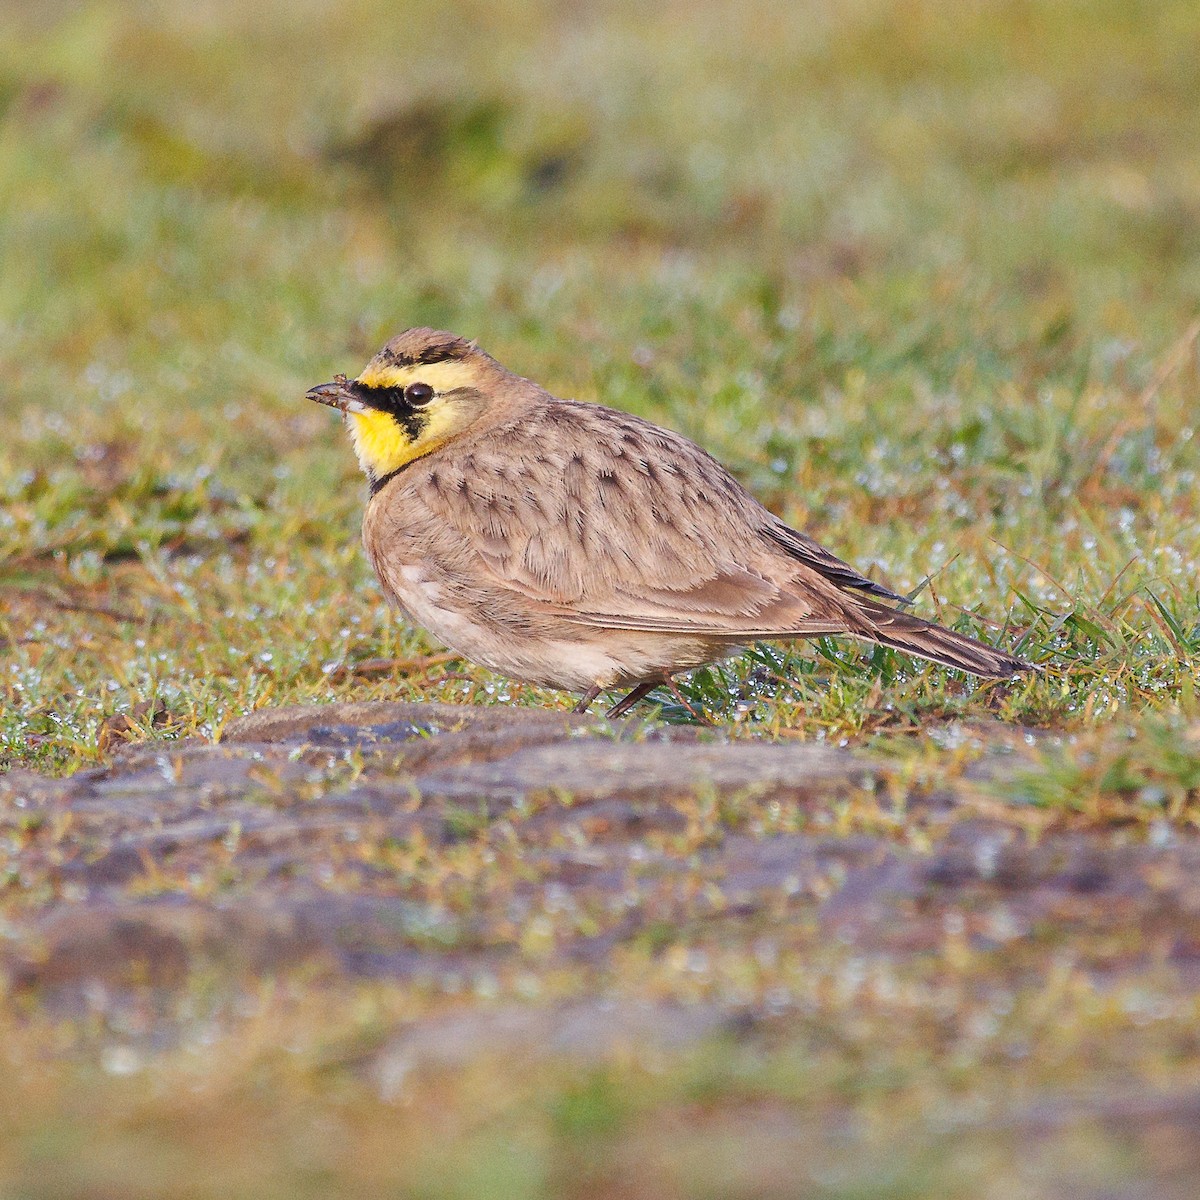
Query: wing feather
[[598, 518]]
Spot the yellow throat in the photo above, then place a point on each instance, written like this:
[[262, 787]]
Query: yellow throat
[[386, 441]]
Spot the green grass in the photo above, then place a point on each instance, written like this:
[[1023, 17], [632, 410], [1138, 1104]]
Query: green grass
[[940, 1085], [925, 278]]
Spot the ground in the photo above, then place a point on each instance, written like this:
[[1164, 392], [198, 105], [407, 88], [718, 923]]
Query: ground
[[927, 278]]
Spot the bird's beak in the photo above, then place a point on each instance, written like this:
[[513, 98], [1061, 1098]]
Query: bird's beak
[[337, 395]]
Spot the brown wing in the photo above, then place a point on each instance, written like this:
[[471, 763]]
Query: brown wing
[[600, 518], [810, 552]]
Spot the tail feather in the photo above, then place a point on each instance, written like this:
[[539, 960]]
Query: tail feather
[[912, 635]]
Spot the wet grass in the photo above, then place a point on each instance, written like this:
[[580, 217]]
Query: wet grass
[[359, 1108], [931, 294], [926, 277]]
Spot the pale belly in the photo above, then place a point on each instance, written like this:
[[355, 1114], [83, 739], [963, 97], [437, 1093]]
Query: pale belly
[[562, 655]]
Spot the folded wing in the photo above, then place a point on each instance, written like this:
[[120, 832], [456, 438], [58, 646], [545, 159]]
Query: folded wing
[[601, 519]]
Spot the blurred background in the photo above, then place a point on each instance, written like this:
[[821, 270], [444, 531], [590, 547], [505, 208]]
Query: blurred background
[[922, 273]]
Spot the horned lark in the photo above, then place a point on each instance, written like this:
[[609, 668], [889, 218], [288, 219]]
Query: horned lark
[[574, 546]]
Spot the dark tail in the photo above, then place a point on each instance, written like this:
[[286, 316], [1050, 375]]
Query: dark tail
[[910, 634]]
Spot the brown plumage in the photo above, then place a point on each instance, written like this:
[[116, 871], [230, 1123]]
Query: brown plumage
[[579, 547]]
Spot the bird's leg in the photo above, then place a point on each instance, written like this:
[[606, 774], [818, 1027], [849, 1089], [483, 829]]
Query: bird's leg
[[586, 700], [623, 706], [684, 701]]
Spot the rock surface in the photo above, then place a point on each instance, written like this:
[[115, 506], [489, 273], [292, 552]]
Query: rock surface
[[308, 834], [267, 849], [574, 887]]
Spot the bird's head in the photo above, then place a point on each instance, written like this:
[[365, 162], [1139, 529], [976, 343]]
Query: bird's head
[[419, 392]]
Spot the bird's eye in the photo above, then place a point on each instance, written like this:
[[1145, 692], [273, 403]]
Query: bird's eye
[[418, 393]]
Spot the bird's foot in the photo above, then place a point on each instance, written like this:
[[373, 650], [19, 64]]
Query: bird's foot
[[587, 699], [623, 705]]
